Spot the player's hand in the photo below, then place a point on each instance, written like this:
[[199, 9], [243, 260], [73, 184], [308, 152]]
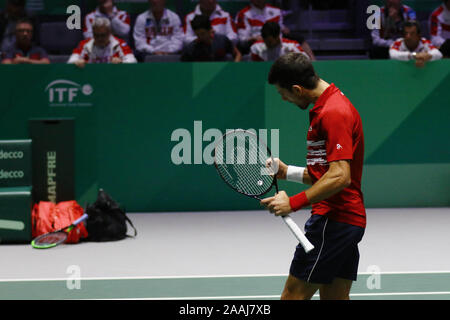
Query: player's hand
[[278, 204], [278, 166], [21, 60], [80, 63], [116, 60]]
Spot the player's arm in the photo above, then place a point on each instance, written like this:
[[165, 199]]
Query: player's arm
[[290, 173], [333, 181], [120, 23]]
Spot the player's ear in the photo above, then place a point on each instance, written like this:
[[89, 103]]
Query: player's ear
[[298, 90]]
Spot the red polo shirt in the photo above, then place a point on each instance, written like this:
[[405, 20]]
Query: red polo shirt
[[336, 133]]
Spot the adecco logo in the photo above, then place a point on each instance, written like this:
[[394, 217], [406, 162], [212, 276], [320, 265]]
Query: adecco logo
[[11, 174], [4, 155], [66, 93]]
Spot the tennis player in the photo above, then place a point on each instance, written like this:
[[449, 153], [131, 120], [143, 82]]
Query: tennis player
[[334, 161]]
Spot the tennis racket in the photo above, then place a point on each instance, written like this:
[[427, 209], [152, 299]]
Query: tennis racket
[[54, 238], [241, 161]]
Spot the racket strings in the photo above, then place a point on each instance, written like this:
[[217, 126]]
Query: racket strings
[[245, 166], [50, 239]]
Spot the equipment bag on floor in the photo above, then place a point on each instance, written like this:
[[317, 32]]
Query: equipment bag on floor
[[107, 221], [47, 217]]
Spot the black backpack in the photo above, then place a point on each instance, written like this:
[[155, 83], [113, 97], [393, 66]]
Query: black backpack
[[107, 221]]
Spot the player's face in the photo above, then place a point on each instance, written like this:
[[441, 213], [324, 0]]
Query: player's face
[[101, 36], [412, 37], [204, 35], [24, 33], [294, 96], [271, 42]]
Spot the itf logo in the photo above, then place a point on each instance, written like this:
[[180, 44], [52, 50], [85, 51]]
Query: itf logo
[[66, 93]]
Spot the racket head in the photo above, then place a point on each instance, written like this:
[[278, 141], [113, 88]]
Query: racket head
[[49, 240], [240, 159]]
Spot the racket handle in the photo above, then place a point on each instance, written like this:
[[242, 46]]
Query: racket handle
[[82, 218], [298, 234]]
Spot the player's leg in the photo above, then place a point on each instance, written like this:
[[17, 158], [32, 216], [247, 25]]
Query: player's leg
[[300, 284], [297, 289], [339, 289]]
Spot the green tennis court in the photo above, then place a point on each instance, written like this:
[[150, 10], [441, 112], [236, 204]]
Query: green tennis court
[[398, 286], [208, 256]]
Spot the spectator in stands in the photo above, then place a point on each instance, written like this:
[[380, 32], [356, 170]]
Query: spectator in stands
[[120, 20], [393, 15], [158, 31], [15, 10], [250, 20], [209, 46], [413, 47], [273, 45], [221, 21], [102, 48], [440, 28], [23, 50]]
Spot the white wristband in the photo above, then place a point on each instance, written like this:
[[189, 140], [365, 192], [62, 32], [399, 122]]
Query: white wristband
[[295, 174]]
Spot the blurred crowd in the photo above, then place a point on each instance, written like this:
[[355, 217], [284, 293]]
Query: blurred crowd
[[256, 33]]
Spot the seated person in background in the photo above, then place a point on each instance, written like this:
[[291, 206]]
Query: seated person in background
[[120, 20], [393, 15], [413, 47], [14, 11], [221, 21], [273, 45], [158, 31], [208, 46], [250, 20], [103, 48], [23, 50], [440, 28]]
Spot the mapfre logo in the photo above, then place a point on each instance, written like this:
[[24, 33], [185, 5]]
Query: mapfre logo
[[66, 93]]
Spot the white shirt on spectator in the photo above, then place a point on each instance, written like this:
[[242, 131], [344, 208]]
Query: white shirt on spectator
[[399, 50], [120, 22], [165, 36], [251, 19], [221, 22], [440, 25], [90, 53], [260, 52], [378, 38]]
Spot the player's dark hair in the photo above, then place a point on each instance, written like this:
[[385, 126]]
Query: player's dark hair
[[25, 20], [270, 29], [412, 23], [201, 22], [293, 69]]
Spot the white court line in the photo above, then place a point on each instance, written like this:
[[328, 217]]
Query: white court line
[[211, 276], [278, 296]]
